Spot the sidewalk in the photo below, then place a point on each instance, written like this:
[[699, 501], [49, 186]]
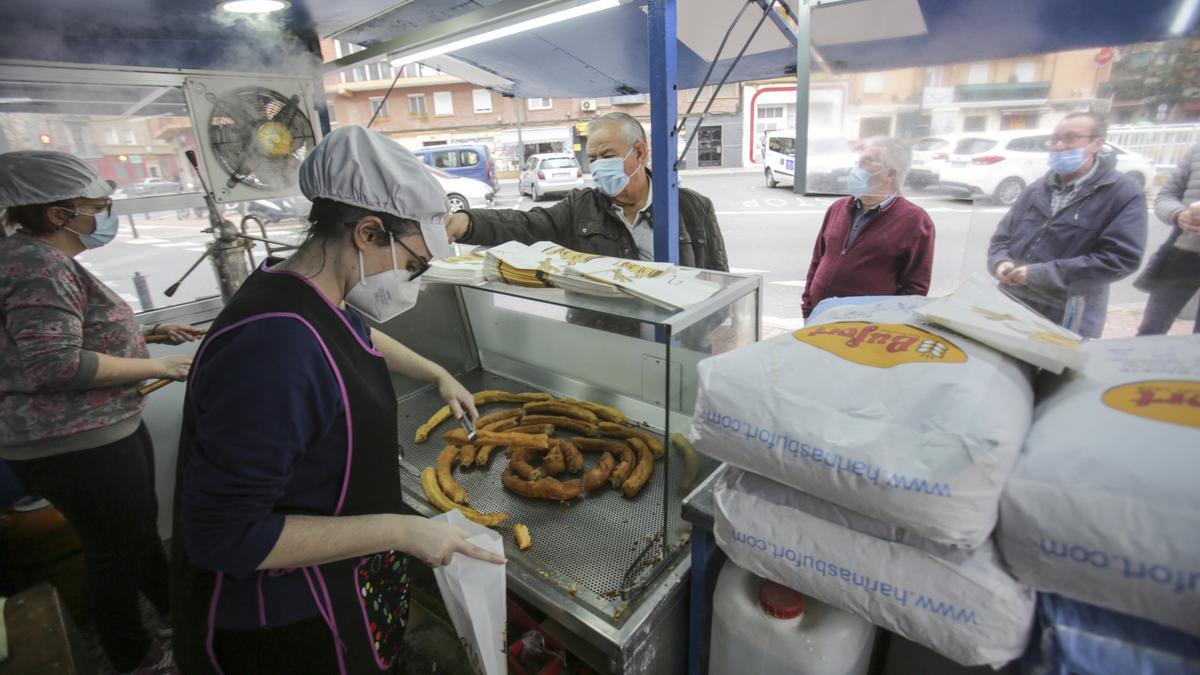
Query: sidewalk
[[1123, 321]]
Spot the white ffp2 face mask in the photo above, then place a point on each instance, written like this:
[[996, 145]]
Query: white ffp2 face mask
[[386, 295]]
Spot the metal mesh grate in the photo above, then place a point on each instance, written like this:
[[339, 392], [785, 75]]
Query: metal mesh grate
[[589, 543]]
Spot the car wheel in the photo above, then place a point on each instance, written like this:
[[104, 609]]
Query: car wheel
[[1138, 178], [533, 192], [1008, 190], [771, 182], [457, 202]]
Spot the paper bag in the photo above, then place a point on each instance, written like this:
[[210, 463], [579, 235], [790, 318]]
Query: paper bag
[[981, 311], [474, 593]]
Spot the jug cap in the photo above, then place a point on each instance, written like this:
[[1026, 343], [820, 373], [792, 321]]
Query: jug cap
[[780, 601]]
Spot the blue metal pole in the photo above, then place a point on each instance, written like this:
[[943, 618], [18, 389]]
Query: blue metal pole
[[664, 184]]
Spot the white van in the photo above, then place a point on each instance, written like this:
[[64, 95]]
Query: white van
[[830, 158]]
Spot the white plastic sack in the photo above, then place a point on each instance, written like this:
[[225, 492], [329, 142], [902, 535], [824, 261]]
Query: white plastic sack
[[980, 310], [877, 412], [473, 591], [1104, 503], [972, 612]]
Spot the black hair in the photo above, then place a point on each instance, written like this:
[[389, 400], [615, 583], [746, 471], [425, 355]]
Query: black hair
[[328, 219], [35, 217]]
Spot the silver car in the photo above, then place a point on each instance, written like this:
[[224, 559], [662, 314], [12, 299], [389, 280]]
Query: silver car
[[465, 193], [550, 174]]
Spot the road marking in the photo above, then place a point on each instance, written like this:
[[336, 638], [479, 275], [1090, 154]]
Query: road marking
[[176, 244], [796, 283], [196, 250], [127, 297], [145, 240], [746, 270]]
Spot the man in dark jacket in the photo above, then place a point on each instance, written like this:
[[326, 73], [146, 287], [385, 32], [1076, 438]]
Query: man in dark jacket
[[1072, 232], [1173, 274], [874, 242], [613, 218]]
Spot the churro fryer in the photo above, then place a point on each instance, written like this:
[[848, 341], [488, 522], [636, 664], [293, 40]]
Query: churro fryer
[[609, 571]]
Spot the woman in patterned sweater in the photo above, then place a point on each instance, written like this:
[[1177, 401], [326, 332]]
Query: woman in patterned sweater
[[71, 360]]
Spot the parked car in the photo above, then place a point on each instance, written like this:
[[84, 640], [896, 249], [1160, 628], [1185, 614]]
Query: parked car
[[151, 186], [830, 158], [465, 193], [278, 209], [999, 165], [550, 174], [929, 155], [467, 161]]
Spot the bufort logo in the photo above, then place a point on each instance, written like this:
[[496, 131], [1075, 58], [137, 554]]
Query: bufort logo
[[881, 345], [1171, 401]]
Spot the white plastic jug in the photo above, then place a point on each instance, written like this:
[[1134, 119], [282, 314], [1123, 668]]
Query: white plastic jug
[[762, 627]]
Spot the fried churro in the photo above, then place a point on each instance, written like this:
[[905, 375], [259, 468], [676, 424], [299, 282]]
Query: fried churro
[[618, 431], [442, 503], [641, 473]]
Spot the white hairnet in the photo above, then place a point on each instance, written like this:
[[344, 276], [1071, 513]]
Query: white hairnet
[[366, 169], [40, 177]]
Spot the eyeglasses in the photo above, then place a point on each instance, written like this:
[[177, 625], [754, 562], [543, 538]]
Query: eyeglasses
[[1067, 139], [106, 209], [864, 162], [424, 263]]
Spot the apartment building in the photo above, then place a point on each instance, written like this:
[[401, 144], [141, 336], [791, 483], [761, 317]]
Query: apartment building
[[1017, 93], [427, 107]]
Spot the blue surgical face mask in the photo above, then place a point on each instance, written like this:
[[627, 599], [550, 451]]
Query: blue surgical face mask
[[609, 174], [106, 230], [1064, 162], [858, 181]]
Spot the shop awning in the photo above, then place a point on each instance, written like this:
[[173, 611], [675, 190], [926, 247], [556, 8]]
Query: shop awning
[[600, 55]]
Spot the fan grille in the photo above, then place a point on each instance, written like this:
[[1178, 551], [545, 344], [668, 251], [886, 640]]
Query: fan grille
[[259, 136]]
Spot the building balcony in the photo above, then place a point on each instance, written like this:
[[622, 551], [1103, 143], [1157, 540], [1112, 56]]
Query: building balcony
[[1014, 91]]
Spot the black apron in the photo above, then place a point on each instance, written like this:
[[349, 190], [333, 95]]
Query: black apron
[[364, 601]]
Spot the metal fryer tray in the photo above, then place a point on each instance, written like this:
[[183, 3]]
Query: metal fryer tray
[[588, 545]]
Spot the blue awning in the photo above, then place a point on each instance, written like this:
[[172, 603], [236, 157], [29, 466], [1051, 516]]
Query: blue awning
[[600, 55]]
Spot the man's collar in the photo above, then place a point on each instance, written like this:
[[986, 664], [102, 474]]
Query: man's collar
[[881, 206]]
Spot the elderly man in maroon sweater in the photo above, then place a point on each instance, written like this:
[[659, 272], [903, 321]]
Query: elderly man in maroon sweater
[[874, 242]]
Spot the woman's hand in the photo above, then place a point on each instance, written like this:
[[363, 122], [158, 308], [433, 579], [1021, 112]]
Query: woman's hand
[[174, 367], [178, 333], [435, 543], [457, 397]]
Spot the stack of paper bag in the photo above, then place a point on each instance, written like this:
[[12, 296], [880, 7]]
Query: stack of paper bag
[[461, 269], [983, 312]]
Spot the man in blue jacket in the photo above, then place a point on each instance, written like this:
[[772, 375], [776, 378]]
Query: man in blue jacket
[[1072, 232]]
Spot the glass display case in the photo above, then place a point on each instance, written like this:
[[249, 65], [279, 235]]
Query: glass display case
[[598, 560]]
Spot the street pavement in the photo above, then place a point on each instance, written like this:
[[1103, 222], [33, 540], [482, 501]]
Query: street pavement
[[769, 232]]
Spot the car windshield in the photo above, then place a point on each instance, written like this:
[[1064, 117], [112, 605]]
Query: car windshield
[[930, 144], [829, 146], [974, 146], [558, 163]]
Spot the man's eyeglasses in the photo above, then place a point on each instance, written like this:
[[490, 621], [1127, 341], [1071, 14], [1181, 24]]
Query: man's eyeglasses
[[1068, 139], [424, 263], [865, 162], [105, 208]]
